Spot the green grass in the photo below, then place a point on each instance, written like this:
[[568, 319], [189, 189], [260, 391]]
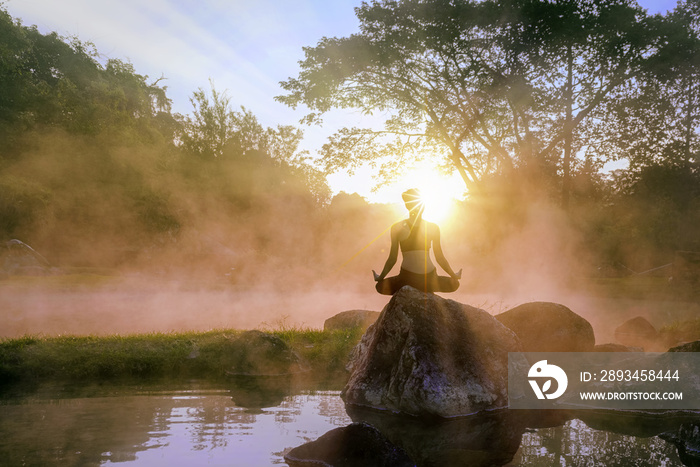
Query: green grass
[[323, 350], [160, 355]]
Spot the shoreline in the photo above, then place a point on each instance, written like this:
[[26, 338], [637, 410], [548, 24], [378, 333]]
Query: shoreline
[[179, 355]]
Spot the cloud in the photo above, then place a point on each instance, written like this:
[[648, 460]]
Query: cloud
[[245, 47]]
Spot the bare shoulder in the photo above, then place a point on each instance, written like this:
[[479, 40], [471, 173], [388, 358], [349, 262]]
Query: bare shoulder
[[398, 227]]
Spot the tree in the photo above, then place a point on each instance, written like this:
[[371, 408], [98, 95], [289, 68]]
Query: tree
[[211, 126], [487, 87], [658, 117], [216, 131], [49, 80]]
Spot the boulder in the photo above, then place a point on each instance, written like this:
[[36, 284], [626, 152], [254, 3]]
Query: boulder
[[686, 347], [18, 258], [687, 441], [427, 355], [549, 327], [637, 332], [354, 445], [351, 319]]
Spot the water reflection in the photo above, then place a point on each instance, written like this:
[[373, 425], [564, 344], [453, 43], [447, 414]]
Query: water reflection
[[257, 392], [195, 426], [576, 444], [540, 437], [254, 424], [492, 439]]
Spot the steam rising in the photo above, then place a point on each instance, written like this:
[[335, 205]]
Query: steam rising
[[146, 242]]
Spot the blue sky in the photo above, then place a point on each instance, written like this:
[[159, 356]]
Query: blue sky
[[244, 47]]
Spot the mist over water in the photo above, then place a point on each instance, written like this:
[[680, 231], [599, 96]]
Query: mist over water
[[291, 266], [128, 309], [145, 237], [143, 241]]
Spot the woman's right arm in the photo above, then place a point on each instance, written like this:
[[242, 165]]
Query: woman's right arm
[[393, 253]]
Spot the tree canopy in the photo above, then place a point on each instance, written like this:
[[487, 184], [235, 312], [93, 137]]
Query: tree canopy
[[95, 167], [215, 130], [485, 87], [51, 81]]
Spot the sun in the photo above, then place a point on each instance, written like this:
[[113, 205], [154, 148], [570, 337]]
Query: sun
[[438, 191]]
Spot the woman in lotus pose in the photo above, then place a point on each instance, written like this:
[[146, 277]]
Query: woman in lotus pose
[[415, 236]]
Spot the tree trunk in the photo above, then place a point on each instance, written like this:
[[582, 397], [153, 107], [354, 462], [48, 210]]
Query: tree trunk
[[568, 128]]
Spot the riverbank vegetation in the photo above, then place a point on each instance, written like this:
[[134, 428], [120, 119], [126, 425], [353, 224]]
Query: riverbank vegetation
[[179, 356], [176, 356]]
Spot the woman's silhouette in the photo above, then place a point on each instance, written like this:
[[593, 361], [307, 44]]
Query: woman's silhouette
[[415, 236]]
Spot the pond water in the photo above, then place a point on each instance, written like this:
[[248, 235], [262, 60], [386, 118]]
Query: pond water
[[242, 425]]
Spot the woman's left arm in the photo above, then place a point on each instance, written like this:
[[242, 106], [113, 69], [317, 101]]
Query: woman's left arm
[[439, 255]]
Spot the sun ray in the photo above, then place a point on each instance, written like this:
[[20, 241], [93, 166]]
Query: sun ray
[[438, 192], [364, 248], [437, 196]]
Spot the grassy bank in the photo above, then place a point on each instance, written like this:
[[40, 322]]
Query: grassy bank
[[162, 355]]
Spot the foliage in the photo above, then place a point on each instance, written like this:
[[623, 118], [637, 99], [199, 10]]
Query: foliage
[[21, 201], [217, 131], [49, 81], [662, 209], [158, 355], [656, 116], [681, 331], [486, 87], [637, 220], [95, 170], [212, 126]]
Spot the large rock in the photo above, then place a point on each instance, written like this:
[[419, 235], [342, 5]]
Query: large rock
[[426, 355], [638, 332], [686, 347], [687, 441], [18, 258], [358, 444], [351, 319], [549, 327]]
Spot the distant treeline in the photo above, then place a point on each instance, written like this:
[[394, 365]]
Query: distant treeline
[[96, 170]]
